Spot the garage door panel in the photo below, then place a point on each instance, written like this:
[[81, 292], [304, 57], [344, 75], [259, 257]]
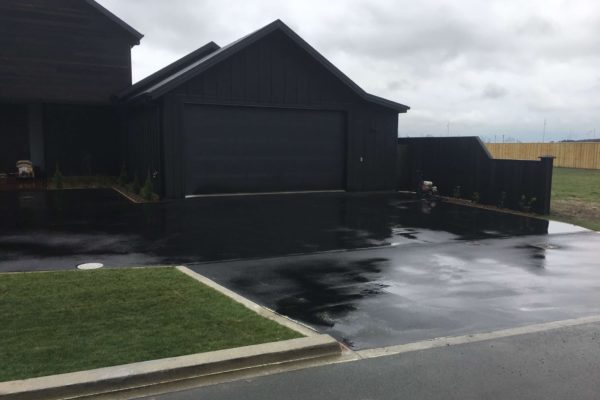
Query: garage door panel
[[236, 149]]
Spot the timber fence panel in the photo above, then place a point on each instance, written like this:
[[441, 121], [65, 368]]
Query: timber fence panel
[[569, 154]]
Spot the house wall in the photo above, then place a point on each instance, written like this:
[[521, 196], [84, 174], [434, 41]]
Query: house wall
[[61, 50], [141, 143], [275, 72], [14, 141], [81, 139]]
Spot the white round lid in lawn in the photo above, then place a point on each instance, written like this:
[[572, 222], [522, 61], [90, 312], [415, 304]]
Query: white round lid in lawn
[[90, 266]]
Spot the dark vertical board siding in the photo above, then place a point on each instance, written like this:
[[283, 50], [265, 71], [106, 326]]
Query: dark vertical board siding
[[62, 50], [265, 72], [14, 137], [83, 140], [224, 81], [210, 84], [465, 163], [172, 134], [275, 73], [143, 144], [237, 79], [252, 74]]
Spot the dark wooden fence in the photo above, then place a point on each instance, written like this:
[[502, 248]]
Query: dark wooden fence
[[463, 167]]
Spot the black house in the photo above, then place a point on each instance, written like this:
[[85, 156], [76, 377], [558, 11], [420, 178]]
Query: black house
[[266, 113], [60, 63]]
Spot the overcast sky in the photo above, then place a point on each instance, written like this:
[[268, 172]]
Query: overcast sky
[[485, 67]]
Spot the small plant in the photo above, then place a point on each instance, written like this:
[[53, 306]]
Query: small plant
[[456, 192], [147, 190], [135, 185], [58, 178], [522, 202], [476, 197], [531, 202], [502, 199], [526, 203], [123, 176]]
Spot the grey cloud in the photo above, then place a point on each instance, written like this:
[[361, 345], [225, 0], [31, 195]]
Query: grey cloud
[[441, 58], [536, 25], [493, 91]]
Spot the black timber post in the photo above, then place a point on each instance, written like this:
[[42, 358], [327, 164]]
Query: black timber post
[[546, 184]]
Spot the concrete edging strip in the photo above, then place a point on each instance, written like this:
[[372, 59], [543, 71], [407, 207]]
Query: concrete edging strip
[[475, 337], [128, 376], [156, 372], [260, 310]]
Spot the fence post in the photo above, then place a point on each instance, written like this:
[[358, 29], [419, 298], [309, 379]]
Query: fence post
[[546, 184]]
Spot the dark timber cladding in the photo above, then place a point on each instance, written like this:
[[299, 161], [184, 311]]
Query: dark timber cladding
[[463, 166], [61, 61], [63, 50], [265, 113]]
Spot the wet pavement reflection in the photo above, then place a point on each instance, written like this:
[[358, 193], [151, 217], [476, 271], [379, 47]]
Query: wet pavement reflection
[[370, 269], [60, 229], [395, 295]]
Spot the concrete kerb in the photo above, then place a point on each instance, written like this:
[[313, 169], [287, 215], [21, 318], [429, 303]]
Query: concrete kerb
[[260, 310], [130, 377]]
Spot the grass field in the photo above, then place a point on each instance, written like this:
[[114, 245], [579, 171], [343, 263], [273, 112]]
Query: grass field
[[576, 196], [56, 322]]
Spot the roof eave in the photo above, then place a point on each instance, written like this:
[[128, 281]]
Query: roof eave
[[143, 84], [401, 108], [134, 33]]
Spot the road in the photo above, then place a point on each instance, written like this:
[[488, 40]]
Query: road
[[554, 364]]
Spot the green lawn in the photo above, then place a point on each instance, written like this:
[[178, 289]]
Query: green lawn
[[576, 196], [56, 322]]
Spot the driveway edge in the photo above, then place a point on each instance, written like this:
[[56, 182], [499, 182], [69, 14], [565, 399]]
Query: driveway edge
[[260, 310]]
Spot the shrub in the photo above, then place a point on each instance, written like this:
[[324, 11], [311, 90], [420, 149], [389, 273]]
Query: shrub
[[502, 199], [522, 202], [123, 176], [135, 185], [456, 192], [148, 188], [58, 178]]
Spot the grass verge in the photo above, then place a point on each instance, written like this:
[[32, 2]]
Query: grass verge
[[576, 196], [57, 322]]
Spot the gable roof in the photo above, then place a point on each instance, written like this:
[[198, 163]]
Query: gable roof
[[166, 72], [118, 21], [194, 66]]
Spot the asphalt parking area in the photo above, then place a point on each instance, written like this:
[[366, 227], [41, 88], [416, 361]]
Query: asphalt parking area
[[372, 270], [59, 229], [401, 294]]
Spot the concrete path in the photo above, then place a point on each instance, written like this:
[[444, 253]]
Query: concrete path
[[554, 364]]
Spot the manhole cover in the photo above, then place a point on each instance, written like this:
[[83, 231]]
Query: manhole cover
[[90, 266]]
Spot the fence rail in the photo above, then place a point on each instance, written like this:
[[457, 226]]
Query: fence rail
[[570, 155]]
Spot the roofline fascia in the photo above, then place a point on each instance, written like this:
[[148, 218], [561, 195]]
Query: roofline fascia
[[107, 13]]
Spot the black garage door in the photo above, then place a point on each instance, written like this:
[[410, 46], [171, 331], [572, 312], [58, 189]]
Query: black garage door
[[245, 149]]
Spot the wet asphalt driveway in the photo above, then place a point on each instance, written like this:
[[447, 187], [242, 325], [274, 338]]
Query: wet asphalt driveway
[[370, 269]]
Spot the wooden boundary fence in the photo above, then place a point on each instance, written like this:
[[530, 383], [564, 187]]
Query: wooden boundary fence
[[570, 155], [463, 164]]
